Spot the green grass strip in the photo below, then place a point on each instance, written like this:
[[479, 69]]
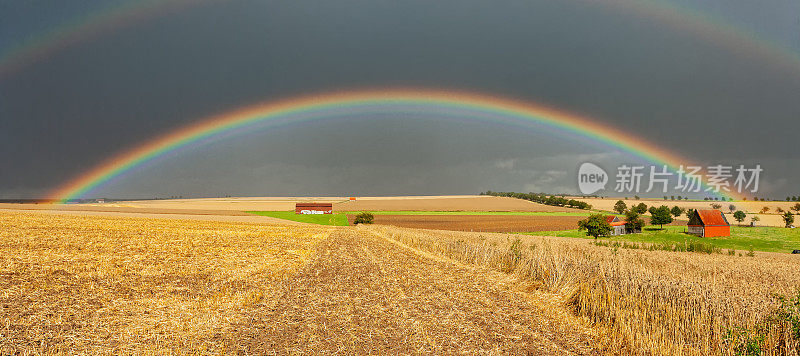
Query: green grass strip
[[768, 239], [336, 219]]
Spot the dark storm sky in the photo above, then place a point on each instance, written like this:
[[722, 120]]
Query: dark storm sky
[[79, 105]]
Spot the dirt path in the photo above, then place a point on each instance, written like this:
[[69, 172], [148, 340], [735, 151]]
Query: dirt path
[[366, 294]]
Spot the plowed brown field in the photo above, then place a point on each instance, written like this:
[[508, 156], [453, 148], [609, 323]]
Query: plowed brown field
[[488, 223]]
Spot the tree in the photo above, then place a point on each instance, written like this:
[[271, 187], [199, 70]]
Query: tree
[[754, 220], [364, 218], [595, 225], [620, 206], [796, 208], [689, 213], [739, 216], [640, 208], [633, 222], [732, 208], [788, 218], [676, 211], [715, 206], [764, 210], [660, 216]]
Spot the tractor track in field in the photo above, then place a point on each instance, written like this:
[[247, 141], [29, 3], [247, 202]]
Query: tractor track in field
[[364, 293]]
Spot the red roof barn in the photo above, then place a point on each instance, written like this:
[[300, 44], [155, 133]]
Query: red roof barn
[[617, 225], [709, 223], [313, 208]]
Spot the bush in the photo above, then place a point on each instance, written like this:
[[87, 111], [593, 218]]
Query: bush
[[640, 208], [739, 216], [788, 219], [633, 222], [660, 216], [595, 225], [620, 207], [364, 218]]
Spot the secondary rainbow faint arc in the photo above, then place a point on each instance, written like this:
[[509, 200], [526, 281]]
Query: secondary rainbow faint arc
[[89, 25], [342, 100], [680, 18]]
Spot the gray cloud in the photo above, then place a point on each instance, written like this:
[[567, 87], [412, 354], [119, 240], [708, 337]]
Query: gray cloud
[[74, 109]]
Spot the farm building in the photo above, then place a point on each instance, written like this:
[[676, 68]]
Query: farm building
[[617, 225], [709, 223], [313, 208]]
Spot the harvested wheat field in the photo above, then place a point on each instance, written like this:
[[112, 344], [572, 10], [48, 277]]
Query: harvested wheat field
[[98, 284], [487, 223], [447, 203], [110, 284], [645, 302]]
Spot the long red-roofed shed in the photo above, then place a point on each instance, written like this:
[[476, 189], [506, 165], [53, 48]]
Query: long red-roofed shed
[[313, 208]]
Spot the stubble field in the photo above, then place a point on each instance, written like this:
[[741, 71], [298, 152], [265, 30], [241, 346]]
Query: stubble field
[[91, 284], [99, 284]]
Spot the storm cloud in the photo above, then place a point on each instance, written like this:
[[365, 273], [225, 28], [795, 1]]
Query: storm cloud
[[89, 101]]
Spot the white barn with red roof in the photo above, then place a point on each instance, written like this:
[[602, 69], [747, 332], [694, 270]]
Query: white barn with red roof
[[617, 225]]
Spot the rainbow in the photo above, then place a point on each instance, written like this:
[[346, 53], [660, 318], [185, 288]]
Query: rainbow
[[94, 24], [104, 21], [714, 30], [316, 107]]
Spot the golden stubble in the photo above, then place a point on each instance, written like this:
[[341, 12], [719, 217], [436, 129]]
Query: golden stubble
[[103, 284]]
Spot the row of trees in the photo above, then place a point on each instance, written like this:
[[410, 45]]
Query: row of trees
[[597, 225], [779, 210], [553, 200], [788, 217], [788, 198]]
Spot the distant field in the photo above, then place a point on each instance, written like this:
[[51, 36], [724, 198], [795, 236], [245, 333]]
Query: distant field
[[478, 222], [490, 221], [507, 213], [752, 208], [463, 203], [337, 219], [768, 239]]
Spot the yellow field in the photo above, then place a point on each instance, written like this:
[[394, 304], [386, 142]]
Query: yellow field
[[96, 284], [109, 284], [642, 301]]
